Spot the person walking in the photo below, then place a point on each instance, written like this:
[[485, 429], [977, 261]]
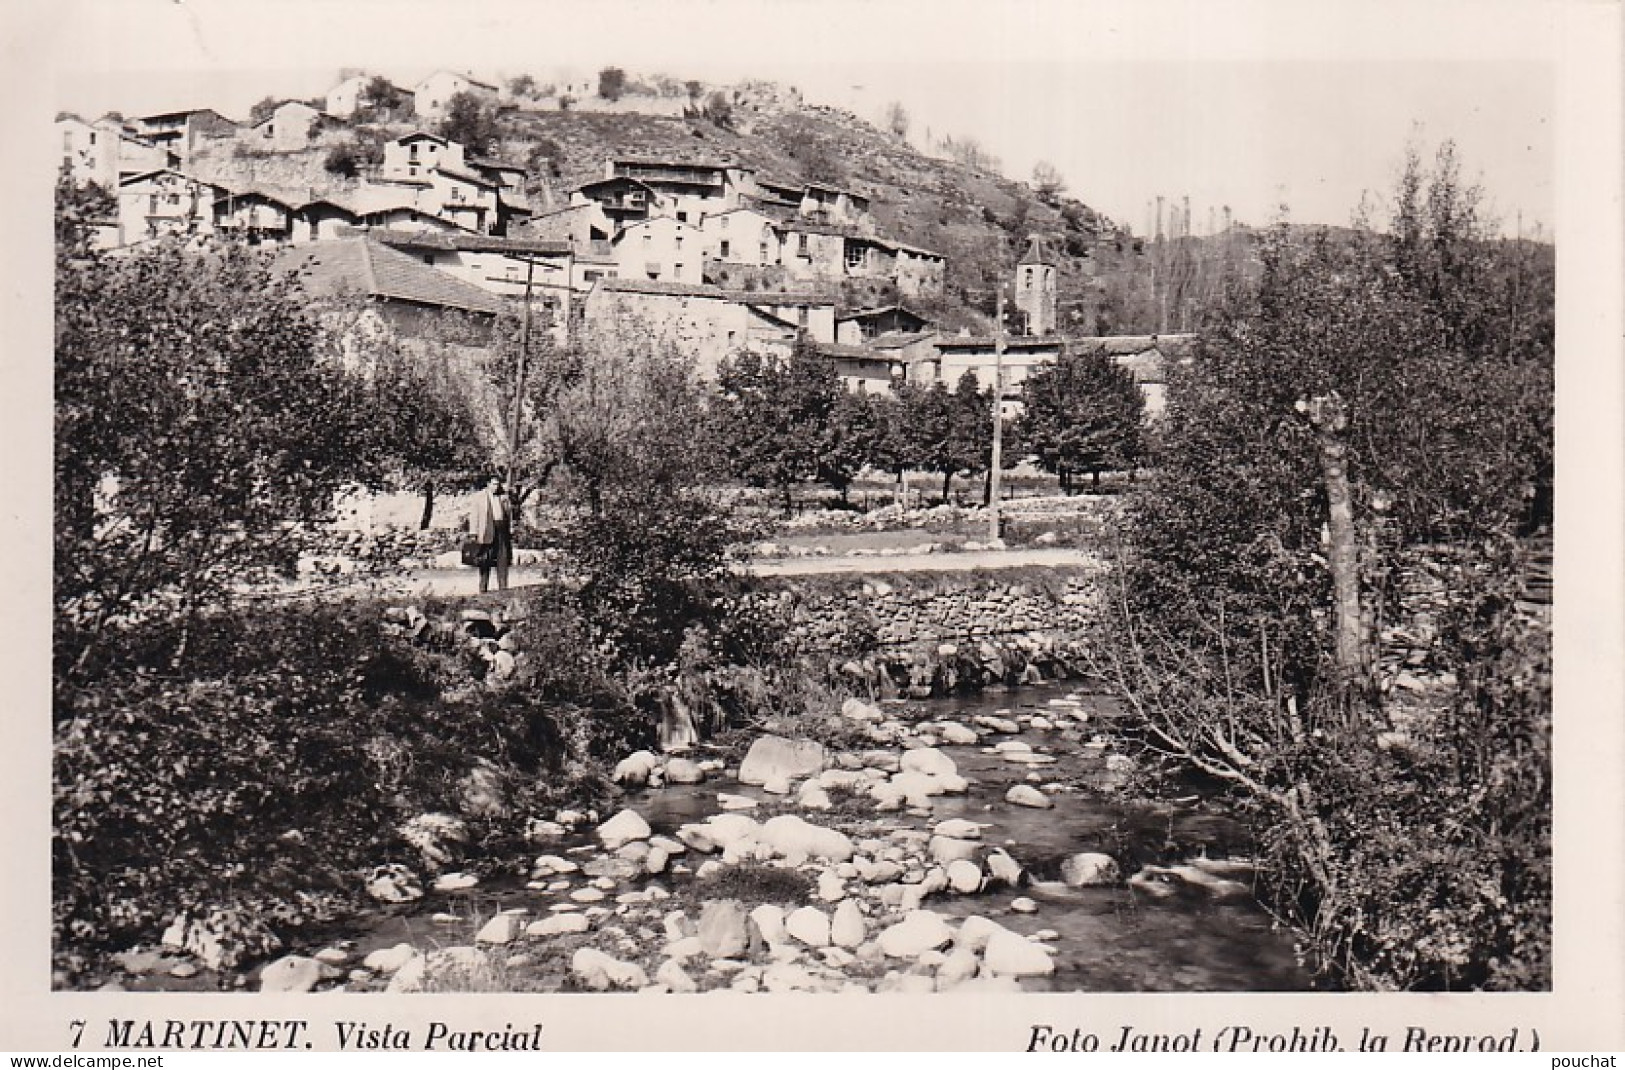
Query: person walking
[[491, 525]]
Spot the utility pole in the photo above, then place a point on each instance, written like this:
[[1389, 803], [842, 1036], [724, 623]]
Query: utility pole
[[519, 379], [994, 488]]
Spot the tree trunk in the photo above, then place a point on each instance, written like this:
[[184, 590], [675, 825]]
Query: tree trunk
[[1096, 474], [1329, 418], [428, 505], [987, 488], [947, 485]]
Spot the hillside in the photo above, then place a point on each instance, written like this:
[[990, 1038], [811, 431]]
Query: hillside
[[1108, 281]]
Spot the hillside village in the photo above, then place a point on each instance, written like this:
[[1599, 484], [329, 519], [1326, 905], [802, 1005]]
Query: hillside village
[[696, 229]]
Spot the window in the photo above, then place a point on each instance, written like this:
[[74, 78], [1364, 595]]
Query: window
[[803, 314], [1027, 277], [679, 243], [648, 241], [682, 217], [723, 251], [677, 272], [801, 245], [854, 255], [722, 221]]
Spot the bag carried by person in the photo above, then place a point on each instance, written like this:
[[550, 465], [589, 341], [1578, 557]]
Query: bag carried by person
[[477, 554]]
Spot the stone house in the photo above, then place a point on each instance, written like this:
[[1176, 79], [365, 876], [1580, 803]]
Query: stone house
[[291, 126], [497, 265], [406, 295], [346, 98], [432, 96], [179, 132], [742, 236], [165, 202], [660, 249], [414, 155], [867, 324]]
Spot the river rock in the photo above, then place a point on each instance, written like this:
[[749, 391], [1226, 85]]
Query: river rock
[[684, 771], [1027, 795], [455, 882], [1215, 886], [928, 760], [768, 919], [394, 883], [722, 929], [655, 861], [959, 829], [633, 770], [1023, 905], [673, 976], [855, 709], [809, 925], [812, 796], [291, 973], [831, 889], [957, 967], [847, 928], [919, 931], [777, 785], [794, 837], [483, 793], [1089, 869], [1001, 867], [601, 972], [774, 757], [964, 877], [945, 849], [501, 929], [1009, 954], [559, 924], [954, 732], [390, 959], [729, 801], [623, 828], [439, 838]]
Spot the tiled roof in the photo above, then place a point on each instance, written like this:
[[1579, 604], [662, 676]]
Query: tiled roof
[[777, 297], [1037, 253], [900, 341], [467, 176], [657, 286], [986, 342], [470, 243], [364, 266], [494, 165], [1127, 345]]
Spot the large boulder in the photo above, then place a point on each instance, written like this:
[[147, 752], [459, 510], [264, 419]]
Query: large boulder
[[722, 929], [633, 770], [777, 758], [930, 761], [1029, 796], [797, 839], [1089, 869], [601, 972], [1010, 954], [684, 771], [919, 931], [291, 973], [809, 925], [623, 828], [847, 928], [439, 838]]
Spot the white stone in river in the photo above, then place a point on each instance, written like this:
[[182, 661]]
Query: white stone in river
[[634, 769], [389, 960], [1041, 723], [655, 861], [674, 977], [958, 966], [1023, 905], [1089, 869], [946, 849], [1027, 795], [623, 828], [847, 928], [769, 921], [455, 882], [809, 925], [964, 877], [1010, 746], [499, 930], [588, 895], [928, 760], [919, 931], [813, 797], [708, 869], [684, 771], [792, 836], [777, 785], [1029, 758], [831, 889], [734, 802], [1009, 954], [686, 948], [958, 734], [559, 924], [1001, 867], [773, 757], [599, 971], [959, 829], [291, 973]]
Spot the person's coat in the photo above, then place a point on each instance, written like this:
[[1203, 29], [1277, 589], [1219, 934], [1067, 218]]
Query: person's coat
[[482, 522]]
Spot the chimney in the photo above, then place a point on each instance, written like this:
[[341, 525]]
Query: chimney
[[1227, 223], [1185, 216], [1158, 234]]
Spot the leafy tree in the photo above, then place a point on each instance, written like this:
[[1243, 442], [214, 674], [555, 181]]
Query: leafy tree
[[611, 83], [772, 416], [897, 119], [1081, 414], [694, 89], [1049, 182], [1421, 355], [197, 410], [717, 110], [423, 427], [522, 87], [952, 431], [851, 439], [262, 110], [471, 121]]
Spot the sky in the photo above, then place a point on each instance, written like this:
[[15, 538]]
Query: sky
[[1254, 104]]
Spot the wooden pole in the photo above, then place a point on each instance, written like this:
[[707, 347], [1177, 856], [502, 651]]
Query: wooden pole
[[519, 379], [994, 488]]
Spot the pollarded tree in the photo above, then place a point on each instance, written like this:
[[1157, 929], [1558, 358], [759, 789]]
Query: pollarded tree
[[1081, 414]]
